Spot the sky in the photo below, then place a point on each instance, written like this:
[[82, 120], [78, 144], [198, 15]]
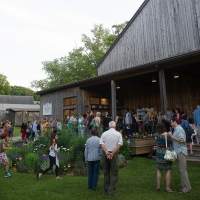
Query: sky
[[33, 31]]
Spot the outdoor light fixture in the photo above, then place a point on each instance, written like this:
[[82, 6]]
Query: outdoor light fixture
[[118, 87], [153, 80], [176, 75]]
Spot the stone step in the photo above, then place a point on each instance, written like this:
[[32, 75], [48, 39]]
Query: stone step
[[189, 159], [195, 147], [193, 160], [194, 156]]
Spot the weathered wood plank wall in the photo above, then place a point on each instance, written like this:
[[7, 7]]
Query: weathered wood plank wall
[[163, 29], [83, 99], [137, 96], [182, 93], [56, 98]]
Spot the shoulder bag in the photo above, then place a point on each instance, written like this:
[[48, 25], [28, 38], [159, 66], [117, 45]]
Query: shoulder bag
[[170, 155], [189, 130]]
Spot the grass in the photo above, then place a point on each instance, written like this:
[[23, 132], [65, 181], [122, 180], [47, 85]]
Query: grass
[[17, 131], [136, 181]]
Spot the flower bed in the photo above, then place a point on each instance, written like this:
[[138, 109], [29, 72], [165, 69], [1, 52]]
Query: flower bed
[[33, 156]]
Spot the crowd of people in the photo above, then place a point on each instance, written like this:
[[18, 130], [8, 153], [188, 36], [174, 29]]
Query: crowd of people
[[170, 131], [32, 130], [8, 128]]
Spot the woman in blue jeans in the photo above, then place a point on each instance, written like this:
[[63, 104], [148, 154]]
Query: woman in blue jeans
[[93, 157]]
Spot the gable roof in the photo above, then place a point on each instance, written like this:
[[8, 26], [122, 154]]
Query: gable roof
[[123, 31], [159, 30]]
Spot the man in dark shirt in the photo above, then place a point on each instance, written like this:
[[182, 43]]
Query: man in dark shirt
[[165, 121]]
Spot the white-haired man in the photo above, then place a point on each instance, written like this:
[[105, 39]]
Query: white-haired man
[[197, 119], [110, 142]]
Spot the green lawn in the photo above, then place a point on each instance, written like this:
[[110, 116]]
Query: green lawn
[[17, 131], [136, 181]]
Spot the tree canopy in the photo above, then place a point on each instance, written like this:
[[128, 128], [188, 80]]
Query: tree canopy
[[4, 85], [80, 63], [23, 91]]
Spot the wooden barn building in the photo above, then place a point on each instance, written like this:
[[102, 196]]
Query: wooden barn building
[[18, 108], [160, 42]]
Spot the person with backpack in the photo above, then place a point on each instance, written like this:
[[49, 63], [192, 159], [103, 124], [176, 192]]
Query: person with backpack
[[3, 157]]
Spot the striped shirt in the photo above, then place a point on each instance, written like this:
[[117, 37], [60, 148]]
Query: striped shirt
[[92, 149]]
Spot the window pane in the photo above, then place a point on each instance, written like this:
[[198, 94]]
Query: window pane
[[94, 100], [66, 112], [66, 102], [104, 101], [73, 101]]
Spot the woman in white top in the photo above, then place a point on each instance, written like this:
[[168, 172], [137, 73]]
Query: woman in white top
[[52, 157]]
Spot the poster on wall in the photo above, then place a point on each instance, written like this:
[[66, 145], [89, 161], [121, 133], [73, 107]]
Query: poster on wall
[[140, 112], [47, 109]]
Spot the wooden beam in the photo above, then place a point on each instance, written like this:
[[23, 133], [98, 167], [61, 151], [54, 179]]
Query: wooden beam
[[113, 99], [163, 98]]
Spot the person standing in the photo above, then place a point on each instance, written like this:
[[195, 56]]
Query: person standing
[[23, 129], [110, 142], [161, 163], [128, 122], [3, 157], [165, 121], [119, 122], [197, 119], [145, 121], [185, 125], [106, 121], [81, 126], [178, 115], [179, 146], [53, 157], [93, 157]]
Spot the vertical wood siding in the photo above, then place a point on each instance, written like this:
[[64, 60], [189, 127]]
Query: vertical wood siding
[[163, 29]]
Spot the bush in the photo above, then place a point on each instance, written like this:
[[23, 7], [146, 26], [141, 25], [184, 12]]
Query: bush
[[125, 149], [31, 161]]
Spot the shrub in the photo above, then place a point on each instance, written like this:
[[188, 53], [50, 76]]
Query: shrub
[[125, 149], [31, 161]]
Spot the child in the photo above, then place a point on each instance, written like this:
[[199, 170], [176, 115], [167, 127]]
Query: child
[[3, 157], [53, 157]]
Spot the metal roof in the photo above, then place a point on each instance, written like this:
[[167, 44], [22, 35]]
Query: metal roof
[[26, 107]]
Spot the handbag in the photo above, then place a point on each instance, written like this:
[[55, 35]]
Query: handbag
[[189, 130], [170, 155]]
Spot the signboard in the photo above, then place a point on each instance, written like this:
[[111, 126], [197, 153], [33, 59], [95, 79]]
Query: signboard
[[47, 109], [140, 112]]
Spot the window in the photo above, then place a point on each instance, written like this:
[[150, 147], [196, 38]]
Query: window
[[69, 101], [104, 101], [95, 101], [69, 112]]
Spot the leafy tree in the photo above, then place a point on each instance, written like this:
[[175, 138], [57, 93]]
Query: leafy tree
[[81, 62], [4, 85], [23, 91]]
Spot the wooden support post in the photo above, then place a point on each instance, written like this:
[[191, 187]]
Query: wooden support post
[[113, 99], [163, 97]]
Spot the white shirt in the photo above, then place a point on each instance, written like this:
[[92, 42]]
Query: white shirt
[[111, 139], [52, 151]]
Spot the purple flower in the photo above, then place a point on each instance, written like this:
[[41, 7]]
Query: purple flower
[[14, 155], [43, 158]]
